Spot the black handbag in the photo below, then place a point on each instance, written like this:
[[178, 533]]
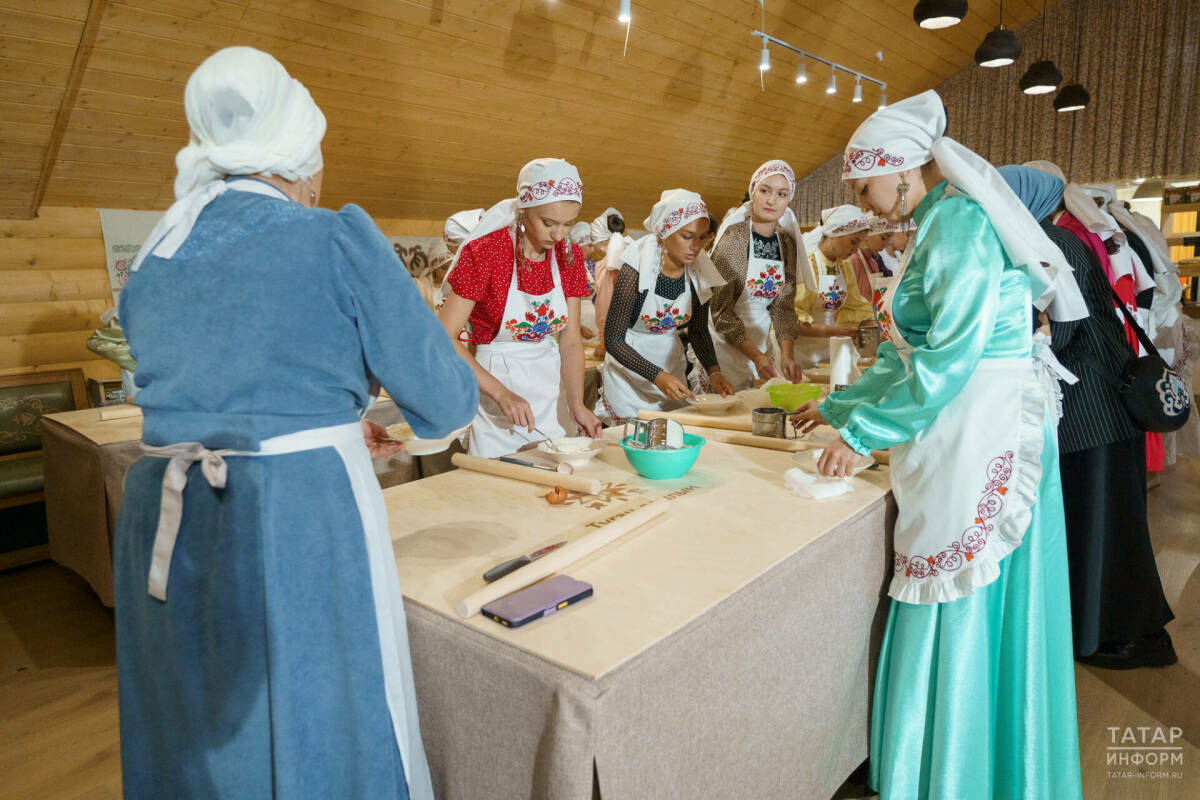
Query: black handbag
[[1153, 393]]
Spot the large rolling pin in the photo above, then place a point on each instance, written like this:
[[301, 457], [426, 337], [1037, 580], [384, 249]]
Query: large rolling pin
[[698, 420], [766, 442], [517, 472], [563, 556]]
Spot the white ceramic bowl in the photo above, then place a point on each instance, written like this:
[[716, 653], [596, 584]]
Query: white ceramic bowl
[[401, 432], [713, 403], [575, 450]]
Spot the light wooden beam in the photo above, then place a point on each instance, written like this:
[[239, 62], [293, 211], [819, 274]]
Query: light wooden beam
[[83, 52]]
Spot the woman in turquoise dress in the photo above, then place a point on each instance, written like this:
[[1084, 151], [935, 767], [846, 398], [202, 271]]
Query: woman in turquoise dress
[[974, 695]]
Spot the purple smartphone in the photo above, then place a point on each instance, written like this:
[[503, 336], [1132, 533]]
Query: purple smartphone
[[539, 600]]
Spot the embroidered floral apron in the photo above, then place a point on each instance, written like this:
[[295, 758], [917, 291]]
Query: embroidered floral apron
[[965, 485], [655, 337], [764, 279], [524, 358]]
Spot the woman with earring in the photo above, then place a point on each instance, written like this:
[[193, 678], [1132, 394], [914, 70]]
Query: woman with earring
[[757, 251], [975, 694], [262, 645], [518, 282], [837, 306], [662, 289]]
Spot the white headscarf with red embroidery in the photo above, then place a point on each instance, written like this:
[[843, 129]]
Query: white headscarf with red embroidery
[[675, 209], [903, 226], [910, 133], [843, 221], [788, 221], [540, 182], [247, 116], [878, 225]]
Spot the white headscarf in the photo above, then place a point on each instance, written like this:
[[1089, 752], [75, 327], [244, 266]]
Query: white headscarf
[[675, 209], [788, 222], [902, 226], [878, 225], [910, 133], [843, 221], [1079, 202], [460, 224], [581, 234], [541, 181], [600, 231], [247, 116]]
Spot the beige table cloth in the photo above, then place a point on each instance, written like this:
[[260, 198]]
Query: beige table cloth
[[728, 650], [85, 463]]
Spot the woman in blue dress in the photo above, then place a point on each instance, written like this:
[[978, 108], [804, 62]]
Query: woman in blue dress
[[975, 691], [262, 649]]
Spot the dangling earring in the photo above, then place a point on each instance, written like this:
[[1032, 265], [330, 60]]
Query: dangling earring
[[312, 197], [902, 190], [521, 224]]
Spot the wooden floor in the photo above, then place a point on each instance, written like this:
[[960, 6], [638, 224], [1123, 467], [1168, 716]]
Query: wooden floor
[[58, 682]]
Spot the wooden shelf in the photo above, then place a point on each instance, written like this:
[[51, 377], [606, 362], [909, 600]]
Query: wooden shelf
[[1180, 208], [1176, 239], [1189, 267]]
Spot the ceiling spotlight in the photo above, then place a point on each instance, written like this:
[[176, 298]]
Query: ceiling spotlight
[[764, 62], [1042, 77], [934, 14], [1072, 97], [883, 98], [857, 91], [802, 75], [624, 15], [832, 87], [998, 49]]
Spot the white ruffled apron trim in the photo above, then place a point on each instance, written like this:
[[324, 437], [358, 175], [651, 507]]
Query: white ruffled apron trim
[[966, 485]]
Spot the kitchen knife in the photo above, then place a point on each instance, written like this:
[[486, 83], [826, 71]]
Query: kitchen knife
[[500, 570]]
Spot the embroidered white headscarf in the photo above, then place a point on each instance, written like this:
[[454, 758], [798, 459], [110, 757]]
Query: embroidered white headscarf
[[541, 181], [843, 221], [910, 133], [674, 210], [788, 221], [247, 116]]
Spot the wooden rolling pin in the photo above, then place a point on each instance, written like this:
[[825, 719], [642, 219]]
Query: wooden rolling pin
[[119, 412], [541, 477], [560, 558], [766, 442], [698, 420]]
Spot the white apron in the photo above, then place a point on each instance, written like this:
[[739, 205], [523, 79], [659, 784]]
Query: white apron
[[828, 301], [524, 358], [655, 337], [385, 584], [965, 486], [764, 279]]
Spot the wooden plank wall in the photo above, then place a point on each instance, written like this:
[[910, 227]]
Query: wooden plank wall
[[54, 286]]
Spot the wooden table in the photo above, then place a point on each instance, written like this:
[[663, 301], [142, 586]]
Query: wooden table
[[727, 650]]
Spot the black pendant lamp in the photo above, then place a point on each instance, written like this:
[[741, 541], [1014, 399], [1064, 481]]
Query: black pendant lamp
[[1073, 97], [1000, 47], [1042, 77], [933, 14]]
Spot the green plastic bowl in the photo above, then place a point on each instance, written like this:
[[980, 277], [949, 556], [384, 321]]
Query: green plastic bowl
[[662, 465], [790, 396]]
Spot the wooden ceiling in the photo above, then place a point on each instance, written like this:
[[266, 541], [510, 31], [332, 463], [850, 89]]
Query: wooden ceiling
[[434, 105]]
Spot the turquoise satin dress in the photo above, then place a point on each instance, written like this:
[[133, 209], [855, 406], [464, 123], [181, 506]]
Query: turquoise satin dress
[[975, 697]]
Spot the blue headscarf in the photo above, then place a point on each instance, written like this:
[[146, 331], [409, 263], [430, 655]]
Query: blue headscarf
[[1040, 191]]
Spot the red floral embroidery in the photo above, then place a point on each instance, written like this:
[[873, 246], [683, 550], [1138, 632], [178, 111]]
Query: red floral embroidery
[[537, 325], [774, 168], [881, 315], [853, 226], [999, 472], [689, 212], [766, 286], [867, 160], [833, 297], [567, 189], [665, 321]]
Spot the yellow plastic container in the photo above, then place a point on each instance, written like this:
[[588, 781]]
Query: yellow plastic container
[[790, 396]]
